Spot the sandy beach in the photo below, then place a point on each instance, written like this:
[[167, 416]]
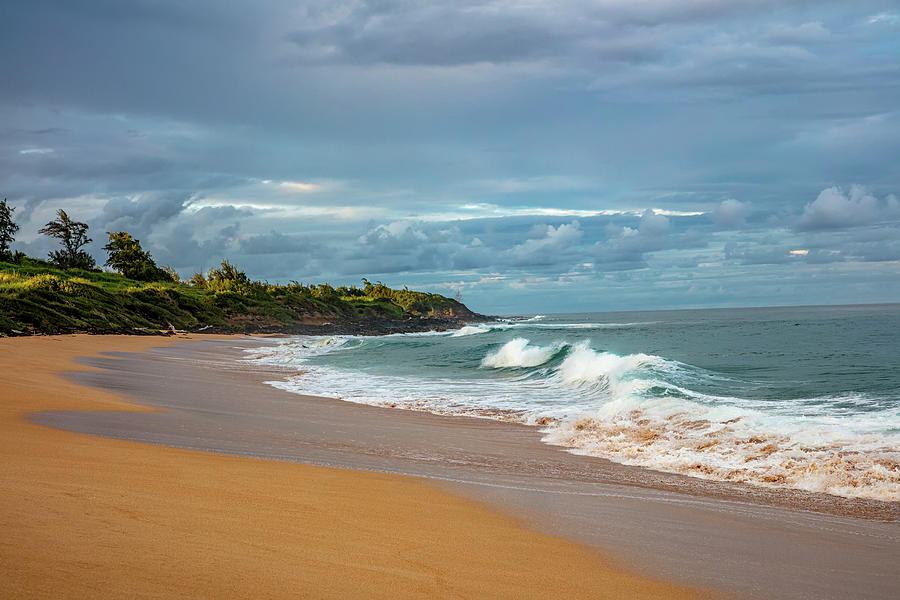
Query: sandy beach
[[86, 516], [739, 539]]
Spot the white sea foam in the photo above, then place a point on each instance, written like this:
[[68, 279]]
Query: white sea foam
[[583, 325], [733, 444], [297, 350], [471, 330], [518, 353]]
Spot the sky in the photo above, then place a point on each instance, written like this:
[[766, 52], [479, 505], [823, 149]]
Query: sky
[[534, 156]]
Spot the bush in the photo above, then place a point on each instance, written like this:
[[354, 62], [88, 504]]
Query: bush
[[77, 260], [228, 278]]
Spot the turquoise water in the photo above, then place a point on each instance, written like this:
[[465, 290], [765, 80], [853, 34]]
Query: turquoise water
[[806, 398]]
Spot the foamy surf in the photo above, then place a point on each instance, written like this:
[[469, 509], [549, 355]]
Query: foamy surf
[[744, 447], [634, 408], [476, 329]]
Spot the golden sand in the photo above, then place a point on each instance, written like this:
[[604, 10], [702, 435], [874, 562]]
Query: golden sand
[[89, 517]]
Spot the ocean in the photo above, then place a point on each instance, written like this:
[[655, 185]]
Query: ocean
[[805, 398]]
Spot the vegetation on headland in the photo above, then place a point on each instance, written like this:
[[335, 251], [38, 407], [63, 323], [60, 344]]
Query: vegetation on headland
[[67, 294]]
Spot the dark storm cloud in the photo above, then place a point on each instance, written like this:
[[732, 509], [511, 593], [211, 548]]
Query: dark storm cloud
[[670, 151], [140, 215], [493, 32]]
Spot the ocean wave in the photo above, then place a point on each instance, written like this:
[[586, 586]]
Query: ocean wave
[[518, 353], [585, 365], [472, 330], [534, 318]]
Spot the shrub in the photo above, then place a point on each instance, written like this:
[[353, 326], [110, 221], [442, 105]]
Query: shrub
[[198, 280], [228, 278]]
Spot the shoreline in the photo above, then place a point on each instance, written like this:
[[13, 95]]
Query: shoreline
[[597, 392], [752, 548], [672, 481], [99, 517], [618, 472]]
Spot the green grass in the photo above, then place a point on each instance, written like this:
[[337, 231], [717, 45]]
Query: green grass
[[37, 297]]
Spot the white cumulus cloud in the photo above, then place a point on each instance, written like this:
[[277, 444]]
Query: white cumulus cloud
[[835, 208]]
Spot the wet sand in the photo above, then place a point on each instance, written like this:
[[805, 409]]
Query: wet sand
[[732, 538], [91, 517]]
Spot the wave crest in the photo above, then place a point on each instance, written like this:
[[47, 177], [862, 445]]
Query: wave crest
[[585, 365], [470, 330], [517, 353]]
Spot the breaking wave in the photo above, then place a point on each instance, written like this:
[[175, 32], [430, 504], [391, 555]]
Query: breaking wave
[[518, 353], [584, 365], [473, 330]]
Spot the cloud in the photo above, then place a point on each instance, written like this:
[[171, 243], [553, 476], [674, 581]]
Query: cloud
[[274, 242], [889, 18], [409, 245], [805, 33], [36, 151], [140, 214], [653, 224], [625, 246], [731, 213], [301, 186], [757, 254], [466, 33], [835, 208], [396, 235], [546, 244], [184, 251]]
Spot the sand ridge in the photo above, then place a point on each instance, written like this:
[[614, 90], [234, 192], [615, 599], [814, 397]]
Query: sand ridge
[[84, 516]]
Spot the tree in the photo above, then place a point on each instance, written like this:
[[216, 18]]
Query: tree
[[8, 229], [128, 258], [73, 236]]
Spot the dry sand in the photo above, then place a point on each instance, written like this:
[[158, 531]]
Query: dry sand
[[84, 516]]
